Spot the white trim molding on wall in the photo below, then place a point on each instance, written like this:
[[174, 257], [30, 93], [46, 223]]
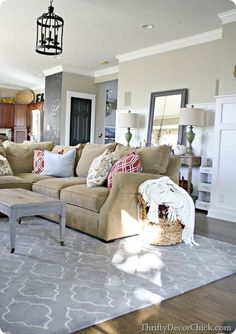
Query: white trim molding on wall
[[228, 17], [79, 95], [223, 195], [206, 37]]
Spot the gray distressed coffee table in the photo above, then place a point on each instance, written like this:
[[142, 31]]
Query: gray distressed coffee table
[[17, 203]]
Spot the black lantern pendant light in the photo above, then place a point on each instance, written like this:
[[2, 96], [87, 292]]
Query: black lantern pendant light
[[49, 33]]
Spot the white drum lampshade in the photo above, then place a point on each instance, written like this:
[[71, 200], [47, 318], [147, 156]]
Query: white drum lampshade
[[191, 117], [127, 120]]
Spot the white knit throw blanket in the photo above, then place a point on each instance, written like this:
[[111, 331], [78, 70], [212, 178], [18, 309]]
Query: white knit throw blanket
[[181, 206]]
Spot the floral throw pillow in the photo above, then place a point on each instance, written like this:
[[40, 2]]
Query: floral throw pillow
[[5, 168], [99, 169], [128, 163]]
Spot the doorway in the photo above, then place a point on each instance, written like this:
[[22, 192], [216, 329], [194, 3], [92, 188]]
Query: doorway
[[80, 121], [80, 118]]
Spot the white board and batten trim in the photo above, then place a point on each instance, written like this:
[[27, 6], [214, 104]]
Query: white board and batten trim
[[223, 195], [79, 95]]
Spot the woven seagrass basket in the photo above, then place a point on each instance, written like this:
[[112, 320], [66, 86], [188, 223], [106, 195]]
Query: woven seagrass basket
[[166, 232]]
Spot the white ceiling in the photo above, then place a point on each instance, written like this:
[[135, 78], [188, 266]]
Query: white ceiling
[[96, 30]]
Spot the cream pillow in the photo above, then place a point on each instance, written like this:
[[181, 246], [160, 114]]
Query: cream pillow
[[5, 168], [99, 169]]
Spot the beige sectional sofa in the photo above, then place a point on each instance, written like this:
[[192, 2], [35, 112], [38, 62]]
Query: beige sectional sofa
[[98, 211]]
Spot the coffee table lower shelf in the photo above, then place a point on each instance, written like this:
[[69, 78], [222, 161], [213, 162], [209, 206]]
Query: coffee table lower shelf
[[17, 203]]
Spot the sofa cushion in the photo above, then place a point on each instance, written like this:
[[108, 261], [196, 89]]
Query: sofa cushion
[[100, 169], [154, 159], [20, 156], [90, 152], [122, 150], [60, 165], [53, 186], [128, 163], [5, 168], [10, 181], [32, 178], [2, 150], [88, 198]]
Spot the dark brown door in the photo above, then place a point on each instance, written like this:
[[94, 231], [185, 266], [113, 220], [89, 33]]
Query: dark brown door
[[80, 121]]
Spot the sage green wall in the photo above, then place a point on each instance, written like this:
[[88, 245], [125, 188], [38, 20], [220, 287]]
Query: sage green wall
[[195, 68], [75, 83], [228, 59]]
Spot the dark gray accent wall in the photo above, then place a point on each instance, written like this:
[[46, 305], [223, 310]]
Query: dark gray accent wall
[[52, 109]]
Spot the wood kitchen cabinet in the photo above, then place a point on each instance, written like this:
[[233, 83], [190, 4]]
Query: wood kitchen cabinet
[[18, 118], [7, 115], [22, 122], [22, 119]]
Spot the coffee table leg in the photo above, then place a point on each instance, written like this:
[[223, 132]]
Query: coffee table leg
[[13, 223], [62, 223]]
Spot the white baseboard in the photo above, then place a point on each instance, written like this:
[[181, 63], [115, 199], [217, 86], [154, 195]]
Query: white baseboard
[[222, 214]]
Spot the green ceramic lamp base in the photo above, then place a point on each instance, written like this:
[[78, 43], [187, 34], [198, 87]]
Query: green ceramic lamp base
[[128, 137], [190, 137]]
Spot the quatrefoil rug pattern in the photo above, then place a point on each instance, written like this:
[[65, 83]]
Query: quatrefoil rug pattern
[[46, 288]]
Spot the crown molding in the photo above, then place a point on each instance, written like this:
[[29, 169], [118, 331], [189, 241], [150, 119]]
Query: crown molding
[[35, 88], [106, 71], [173, 45], [88, 73], [53, 70], [13, 87], [68, 69], [227, 17]]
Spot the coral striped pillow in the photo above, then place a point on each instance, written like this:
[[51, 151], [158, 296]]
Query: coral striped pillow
[[128, 163], [38, 161]]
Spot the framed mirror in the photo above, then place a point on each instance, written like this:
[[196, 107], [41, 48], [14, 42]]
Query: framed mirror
[[163, 124]]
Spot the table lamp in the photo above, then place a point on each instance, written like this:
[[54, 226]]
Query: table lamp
[[127, 120], [191, 117]]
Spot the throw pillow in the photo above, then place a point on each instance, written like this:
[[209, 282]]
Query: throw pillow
[[5, 168], [128, 163], [38, 161], [60, 165], [99, 169]]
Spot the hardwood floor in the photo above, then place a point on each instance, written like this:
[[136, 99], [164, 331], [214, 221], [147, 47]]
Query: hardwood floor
[[192, 312]]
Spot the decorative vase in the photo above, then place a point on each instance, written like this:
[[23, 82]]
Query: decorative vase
[[179, 149]]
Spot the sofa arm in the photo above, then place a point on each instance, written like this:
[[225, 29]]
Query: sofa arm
[[128, 183], [118, 216]]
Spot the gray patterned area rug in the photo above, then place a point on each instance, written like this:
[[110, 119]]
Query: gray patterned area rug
[[46, 288]]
